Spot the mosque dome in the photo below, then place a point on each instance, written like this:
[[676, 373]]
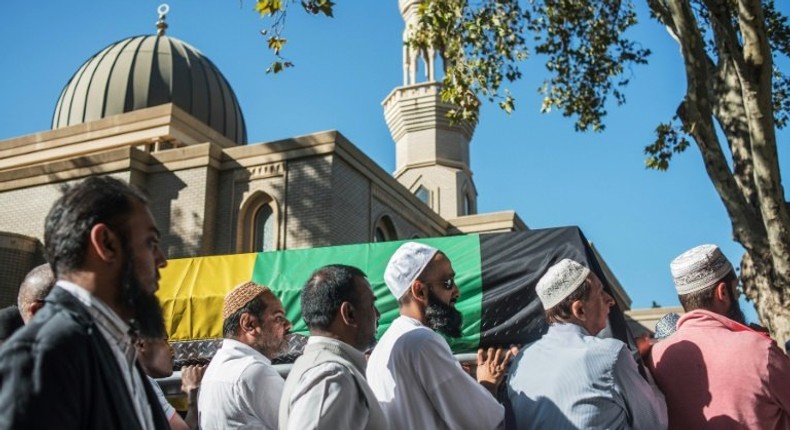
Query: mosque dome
[[145, 71]]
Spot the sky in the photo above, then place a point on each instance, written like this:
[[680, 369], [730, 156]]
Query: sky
[[533, 163]]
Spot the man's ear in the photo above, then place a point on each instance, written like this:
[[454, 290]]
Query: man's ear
[[347, 314], [419, 291], [577, 310], [247, 323], [721, 292], [35, 306], [104, 242]]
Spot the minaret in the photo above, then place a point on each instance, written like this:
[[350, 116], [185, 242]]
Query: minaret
[[432, 156]]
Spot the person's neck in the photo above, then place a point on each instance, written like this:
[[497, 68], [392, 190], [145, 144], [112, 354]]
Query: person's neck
[[332, 334], [100, 287], [414, 312]]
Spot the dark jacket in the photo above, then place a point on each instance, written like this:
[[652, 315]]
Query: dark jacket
[[59, 372]]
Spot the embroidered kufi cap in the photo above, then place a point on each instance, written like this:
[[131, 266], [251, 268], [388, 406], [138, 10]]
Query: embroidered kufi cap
[[560, 281], [405, 265], [239, 296], [666, 325], [699, 268]]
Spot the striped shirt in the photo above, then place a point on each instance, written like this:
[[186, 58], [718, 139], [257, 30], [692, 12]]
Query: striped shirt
[[571, 380], [116, 333]]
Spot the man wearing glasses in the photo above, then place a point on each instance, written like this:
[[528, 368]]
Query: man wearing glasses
[[412, 372]]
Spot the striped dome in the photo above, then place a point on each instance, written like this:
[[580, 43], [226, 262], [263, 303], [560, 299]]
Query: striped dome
[[146, 71]]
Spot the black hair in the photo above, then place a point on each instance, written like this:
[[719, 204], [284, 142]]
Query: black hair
[[327, 289], [96, 200], [703, 299], [231, 324]]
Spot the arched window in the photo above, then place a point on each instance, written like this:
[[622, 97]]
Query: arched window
[[263, 229], [468, 207], [384, 230], [423, 194], [257, 229]]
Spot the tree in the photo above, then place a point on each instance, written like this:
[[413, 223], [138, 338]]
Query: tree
[[734, 102]]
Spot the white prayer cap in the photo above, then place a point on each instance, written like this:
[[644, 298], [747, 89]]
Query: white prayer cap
[[405, 265], [560, 281], [699, 268]]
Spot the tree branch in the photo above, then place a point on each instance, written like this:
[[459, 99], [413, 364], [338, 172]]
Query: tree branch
[[755, 79], [728, 101], [696, 113]]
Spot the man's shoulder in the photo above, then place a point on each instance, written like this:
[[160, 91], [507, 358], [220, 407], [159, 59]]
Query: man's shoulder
[[253, 367], [420, 341], [325, 370], [51, 329]]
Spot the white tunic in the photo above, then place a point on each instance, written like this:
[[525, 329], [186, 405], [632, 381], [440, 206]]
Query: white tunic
[[240, 390], [420, 385]]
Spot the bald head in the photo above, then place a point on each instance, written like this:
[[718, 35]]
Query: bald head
[[37, 284]]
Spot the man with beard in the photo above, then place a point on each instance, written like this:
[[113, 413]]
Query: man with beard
[[570, 379], [240, 388], [326, 388], [412, 372], [73, 366], [715, 371]]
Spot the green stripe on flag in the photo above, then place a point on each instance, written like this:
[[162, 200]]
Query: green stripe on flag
[[285, 272]]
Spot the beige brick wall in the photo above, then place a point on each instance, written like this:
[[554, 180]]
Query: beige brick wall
[[234, 190], [225, 221], [18, 255], [308, 207], [24, 210], [210, 214], [178, 202], [350, 205], [446, 186], [403, 228]]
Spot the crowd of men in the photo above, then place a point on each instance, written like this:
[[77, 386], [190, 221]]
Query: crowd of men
[[94, 337]]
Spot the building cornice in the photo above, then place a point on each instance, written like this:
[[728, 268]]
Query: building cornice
[[164, 123], [492, 222]]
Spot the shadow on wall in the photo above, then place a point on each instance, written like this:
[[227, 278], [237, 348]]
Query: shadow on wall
[[163, 191], [309, 203]]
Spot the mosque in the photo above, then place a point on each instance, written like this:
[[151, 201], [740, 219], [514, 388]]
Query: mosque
[[154, 111]]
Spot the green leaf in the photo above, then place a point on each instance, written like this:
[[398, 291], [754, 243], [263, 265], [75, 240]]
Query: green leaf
[[276, 44], [275, 68], [268, 7]]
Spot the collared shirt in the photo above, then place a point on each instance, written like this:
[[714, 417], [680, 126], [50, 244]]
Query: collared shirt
[[327, 396], [116, 333], [240, 390], [719, 374], [571, 380], [420, 385]]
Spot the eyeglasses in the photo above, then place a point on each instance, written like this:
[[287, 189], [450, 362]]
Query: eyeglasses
[[447, 284]]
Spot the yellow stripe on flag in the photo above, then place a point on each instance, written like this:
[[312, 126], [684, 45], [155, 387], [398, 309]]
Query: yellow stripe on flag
[[192, 290]]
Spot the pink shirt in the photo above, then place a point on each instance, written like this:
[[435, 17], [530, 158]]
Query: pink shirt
[[719, 374]]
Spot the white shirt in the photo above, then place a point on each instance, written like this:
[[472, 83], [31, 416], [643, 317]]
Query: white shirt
[[420, 385], [327, 396], [160, 395], [240, 390], [116, 333]]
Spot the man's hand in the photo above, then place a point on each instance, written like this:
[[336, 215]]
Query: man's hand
[[492, 365], [191, 377]]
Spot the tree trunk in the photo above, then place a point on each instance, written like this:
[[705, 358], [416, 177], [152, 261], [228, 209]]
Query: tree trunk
[[732, 83], [768, 295]]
